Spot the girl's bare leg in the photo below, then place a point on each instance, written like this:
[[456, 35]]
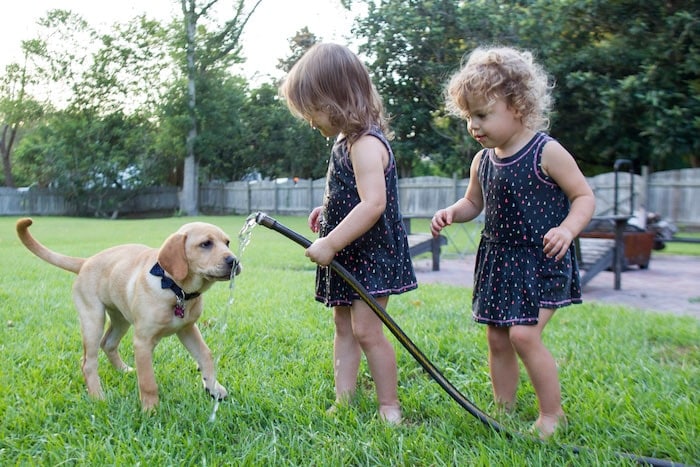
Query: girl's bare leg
[[381, 359], [542, 370], [503, 365], [346, 355]]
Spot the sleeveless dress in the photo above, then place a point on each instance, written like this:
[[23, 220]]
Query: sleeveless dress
[[379, 259], [513, 278]]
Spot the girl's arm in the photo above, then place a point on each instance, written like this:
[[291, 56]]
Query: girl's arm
[[560, 165], [369, 158], [464, 209]]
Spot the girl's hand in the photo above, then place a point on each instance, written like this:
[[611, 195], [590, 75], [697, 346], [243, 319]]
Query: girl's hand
[[556, 242], [440, 220], [320, 252], [315, 219]]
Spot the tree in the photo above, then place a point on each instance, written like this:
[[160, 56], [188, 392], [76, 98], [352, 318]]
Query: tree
[[99, 145], [97, 161], [412, 47], [278, 143], [17, 110], [130, 70], [20, 103], [627, 78], [220, 49], [222, 133], [302, 41], [627, 74], [291, 146]]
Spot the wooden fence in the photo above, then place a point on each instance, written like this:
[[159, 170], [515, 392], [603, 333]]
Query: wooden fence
[[39, 201], [284, 197], [674, 195]]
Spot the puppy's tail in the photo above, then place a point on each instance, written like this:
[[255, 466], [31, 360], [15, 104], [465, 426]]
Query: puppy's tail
[[69, 263]]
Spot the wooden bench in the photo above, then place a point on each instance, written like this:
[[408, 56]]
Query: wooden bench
[[426, 243], [595, 255], [420, 243], [599, 254]]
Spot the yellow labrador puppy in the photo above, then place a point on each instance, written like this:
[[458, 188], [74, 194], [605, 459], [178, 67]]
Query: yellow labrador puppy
[[156, 290]]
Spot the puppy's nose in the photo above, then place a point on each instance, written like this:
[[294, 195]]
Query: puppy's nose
[[232, 262]]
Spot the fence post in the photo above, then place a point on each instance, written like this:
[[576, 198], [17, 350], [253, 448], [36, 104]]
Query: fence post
[[248, 201], [456, 194], [311, 194], [275, 202], [676, 197]]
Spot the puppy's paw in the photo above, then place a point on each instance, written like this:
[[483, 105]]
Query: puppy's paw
[[218, 392], [149, 403]]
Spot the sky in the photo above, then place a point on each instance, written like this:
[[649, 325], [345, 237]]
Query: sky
[[265, 38]]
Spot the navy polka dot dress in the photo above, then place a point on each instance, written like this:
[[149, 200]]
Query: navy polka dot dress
[[379, 259], [513, 278]]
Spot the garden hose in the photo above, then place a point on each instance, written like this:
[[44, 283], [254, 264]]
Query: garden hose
[[263, 219], [271, 223]]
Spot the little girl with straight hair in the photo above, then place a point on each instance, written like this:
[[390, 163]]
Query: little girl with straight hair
[[360, 224]]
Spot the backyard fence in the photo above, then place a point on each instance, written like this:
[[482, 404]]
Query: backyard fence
[[40, 201], [674, 195]]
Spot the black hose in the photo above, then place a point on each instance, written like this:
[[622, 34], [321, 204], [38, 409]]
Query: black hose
[[263, 219]]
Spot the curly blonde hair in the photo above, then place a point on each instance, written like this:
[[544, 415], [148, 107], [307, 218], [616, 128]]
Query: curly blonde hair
[[503, 72], [331, 78]]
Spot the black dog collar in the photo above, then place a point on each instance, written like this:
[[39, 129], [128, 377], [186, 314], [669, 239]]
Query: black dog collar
[[180, 295]]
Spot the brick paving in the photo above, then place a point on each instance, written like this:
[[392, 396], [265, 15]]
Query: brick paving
[[671, 284]]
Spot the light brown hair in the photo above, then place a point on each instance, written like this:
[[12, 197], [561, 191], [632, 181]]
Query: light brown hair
[[507, 73], [332, 79]]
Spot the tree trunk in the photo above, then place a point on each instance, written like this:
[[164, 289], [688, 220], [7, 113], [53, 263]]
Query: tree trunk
[[189, 199]]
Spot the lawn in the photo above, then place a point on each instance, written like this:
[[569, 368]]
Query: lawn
[[630, 380]]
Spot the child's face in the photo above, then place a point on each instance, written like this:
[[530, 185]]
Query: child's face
[[321, 121], [492, 123]]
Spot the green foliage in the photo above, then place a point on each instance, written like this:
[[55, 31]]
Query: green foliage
[[629, 378], [412, 47], [98, 162], [99, 147], [299, 44], [18, 110], [628, 86], [220, 128], [626, 74], [279, 144], [130, 70]]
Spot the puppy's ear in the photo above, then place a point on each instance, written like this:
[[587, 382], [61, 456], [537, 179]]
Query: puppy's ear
[[172, 256]]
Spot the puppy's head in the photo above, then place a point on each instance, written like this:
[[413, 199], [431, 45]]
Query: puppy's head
[[198, 250]]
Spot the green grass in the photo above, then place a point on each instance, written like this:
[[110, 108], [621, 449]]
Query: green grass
[[679, 248], [630, 380]]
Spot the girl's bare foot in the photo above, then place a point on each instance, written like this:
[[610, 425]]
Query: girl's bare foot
[[547, 425], [339, 404], [505, 408], [390, 414]]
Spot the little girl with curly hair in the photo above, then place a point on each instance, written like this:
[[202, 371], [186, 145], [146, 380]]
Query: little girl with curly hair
[[536, 201]]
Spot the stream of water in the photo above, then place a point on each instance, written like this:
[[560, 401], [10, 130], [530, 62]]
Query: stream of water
[[244, 237]]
